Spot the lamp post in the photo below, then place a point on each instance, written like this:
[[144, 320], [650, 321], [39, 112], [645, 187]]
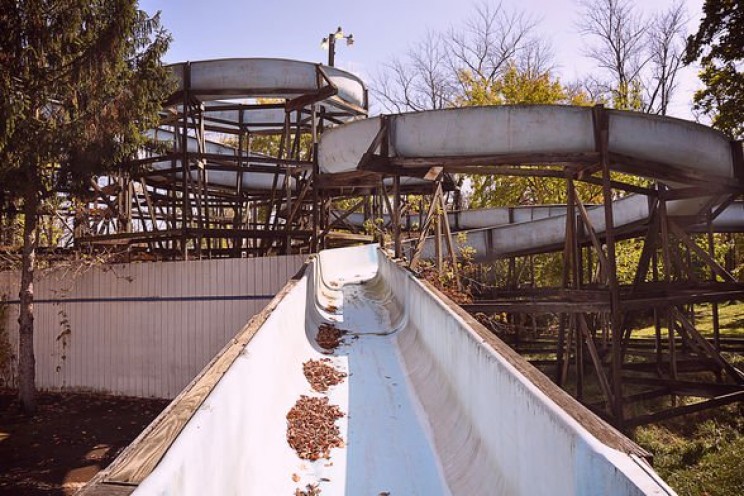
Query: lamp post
[[329, 43]]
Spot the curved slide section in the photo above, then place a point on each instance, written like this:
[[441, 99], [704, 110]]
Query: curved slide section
[[547, 233], [225, 179], [215, 82], [730, 220], [530, 130], [464, 220], [223, 79], [544, 133], [434, 404]]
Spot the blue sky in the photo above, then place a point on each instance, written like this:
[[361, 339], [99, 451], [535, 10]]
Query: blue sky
[[382, 29]]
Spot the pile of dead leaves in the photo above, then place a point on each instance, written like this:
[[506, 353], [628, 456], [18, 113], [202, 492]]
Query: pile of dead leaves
[[321, 374], [312, 429], [329, 336], [447, 286], [310, 490]]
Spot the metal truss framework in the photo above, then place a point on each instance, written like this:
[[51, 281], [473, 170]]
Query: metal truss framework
[[192, 196], [595, 312], [167, 202]]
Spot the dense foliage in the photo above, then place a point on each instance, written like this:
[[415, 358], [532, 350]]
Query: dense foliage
[[80, 80], [719, 44]]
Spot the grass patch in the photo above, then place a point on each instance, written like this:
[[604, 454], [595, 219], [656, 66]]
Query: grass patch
[[730, 318], [699, 454]]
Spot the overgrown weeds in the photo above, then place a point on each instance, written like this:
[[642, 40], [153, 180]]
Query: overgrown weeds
[[699, 454]]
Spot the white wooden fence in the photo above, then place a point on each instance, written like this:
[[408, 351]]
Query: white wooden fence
[[140, 329]]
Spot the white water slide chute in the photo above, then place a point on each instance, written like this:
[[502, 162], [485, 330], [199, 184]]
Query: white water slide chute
[[433, 402], [678, 153]]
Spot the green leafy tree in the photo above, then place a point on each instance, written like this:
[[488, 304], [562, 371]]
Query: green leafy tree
[[79, 82], [719, 44], [518, 87]]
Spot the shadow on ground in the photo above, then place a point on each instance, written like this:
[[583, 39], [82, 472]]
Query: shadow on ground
[[68, 441]]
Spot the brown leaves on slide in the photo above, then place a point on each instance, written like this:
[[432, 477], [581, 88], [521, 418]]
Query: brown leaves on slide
[[310, 490], [311, 428], [329, 336], [321, 374], [311, 423]]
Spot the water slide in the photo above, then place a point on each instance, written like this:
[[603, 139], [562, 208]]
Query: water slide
[[219, 84], [664, 147], [504, 231], [432, 404], [224, 179]]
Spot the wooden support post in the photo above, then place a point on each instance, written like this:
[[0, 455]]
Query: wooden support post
[[430, 217], [570, 243], [438, 244], [714, 305], [396, 216], [667, 259], [448, 239], [186, 170], [579, 367], [238, 207], [601, 122], [604, 382], [421, 212], [560, 349], [657, 322], [314, 179], [569, 347], [203, 179]]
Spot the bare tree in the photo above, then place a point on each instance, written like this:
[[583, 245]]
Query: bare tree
[[536, 58], [620, 48], [490, 40], [484, 46], [640, 56], [666, 45], [419, 82]]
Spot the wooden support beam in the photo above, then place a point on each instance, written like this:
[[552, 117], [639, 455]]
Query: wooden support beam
[[396, 217], [604, 382], [684, 410], [705, 257], [735, 374], [416, 256], [444, 220], [341, 217], [602, 133], [685, 388], [604, 264], [369, 155]]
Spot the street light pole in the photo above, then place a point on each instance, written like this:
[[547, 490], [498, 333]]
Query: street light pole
[[329, 43], [331, 49]]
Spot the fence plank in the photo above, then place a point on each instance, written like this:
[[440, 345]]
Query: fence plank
[[142, 329]]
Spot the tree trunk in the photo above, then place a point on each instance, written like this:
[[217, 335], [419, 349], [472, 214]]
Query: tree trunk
[[26, 360]]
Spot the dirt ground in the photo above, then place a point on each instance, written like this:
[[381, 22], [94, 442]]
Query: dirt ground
[[68, 441]]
